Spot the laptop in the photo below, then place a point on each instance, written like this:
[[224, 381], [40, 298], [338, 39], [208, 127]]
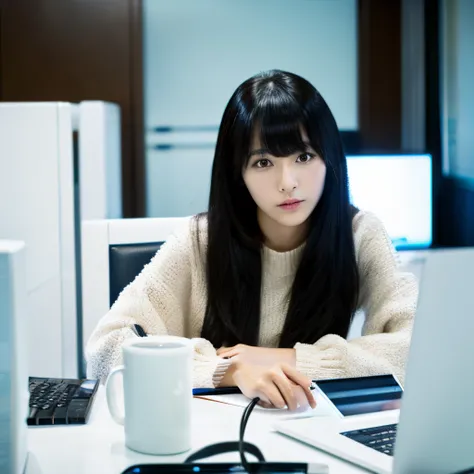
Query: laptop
[[433, 431]]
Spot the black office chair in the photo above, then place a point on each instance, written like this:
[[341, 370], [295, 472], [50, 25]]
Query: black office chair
[[126, 261]]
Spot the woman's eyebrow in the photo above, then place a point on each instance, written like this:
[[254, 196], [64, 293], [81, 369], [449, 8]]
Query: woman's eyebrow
[[260, 151], [264, 151], [308, 146]]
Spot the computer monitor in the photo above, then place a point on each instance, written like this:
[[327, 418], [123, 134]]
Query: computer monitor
[[398, 189], [13, 357]]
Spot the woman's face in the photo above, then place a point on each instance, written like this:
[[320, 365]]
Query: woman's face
[[286, 190]]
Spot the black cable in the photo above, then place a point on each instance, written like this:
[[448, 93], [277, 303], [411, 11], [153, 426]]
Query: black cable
[[222, 448], [243, 424]]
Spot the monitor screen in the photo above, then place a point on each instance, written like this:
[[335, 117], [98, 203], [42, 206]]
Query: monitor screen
[[398, 189]]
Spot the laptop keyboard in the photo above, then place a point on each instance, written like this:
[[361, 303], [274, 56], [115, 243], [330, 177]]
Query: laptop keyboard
[[380, 438], [60, 401]]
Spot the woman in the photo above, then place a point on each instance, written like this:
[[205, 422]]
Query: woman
[[268, 281]]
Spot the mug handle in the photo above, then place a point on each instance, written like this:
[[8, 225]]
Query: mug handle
[[117, 413]]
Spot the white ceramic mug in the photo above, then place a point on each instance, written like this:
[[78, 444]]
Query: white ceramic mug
[[157, 389]]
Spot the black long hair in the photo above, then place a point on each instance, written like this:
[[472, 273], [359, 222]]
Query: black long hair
[[325, 289]]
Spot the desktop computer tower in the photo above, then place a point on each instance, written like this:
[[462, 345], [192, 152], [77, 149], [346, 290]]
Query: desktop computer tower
[[44, 182], [13, 361]]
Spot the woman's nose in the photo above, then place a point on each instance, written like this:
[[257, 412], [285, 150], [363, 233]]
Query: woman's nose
[[287, 182]]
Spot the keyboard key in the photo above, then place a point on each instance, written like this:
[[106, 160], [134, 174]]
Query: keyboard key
[[77, 411], [45, 416], [32, 416], [60, 416]]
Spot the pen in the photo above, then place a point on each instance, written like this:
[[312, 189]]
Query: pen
[[216, 391], [139, 330]]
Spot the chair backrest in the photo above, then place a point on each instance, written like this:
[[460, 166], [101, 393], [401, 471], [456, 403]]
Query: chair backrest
[[125, 263], [114, 251]]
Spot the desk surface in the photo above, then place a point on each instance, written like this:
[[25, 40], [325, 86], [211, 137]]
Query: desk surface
[[98, 446]]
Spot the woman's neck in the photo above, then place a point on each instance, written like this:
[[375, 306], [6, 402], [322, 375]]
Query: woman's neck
[[279, 237]]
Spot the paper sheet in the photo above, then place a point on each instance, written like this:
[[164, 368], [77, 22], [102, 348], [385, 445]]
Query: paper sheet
[[323, 408]]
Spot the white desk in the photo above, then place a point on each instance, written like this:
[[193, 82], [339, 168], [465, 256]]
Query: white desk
[[98, 446]]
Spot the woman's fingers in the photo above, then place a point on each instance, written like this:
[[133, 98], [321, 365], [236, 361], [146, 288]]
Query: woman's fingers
[[301, 398], [223, 350], [285, 386], [272, 395], [300, 380], [228, 354], [293, 394]]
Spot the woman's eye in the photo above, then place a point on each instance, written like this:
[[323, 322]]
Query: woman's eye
[[263, 163], [304, 158]]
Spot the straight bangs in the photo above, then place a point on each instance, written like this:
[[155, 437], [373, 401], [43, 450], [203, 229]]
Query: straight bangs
[[279, 121]]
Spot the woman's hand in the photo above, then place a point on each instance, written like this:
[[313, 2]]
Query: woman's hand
[[278, 386], [259, 355]]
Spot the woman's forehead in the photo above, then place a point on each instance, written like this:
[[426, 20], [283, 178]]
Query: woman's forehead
[[257, 145], [257, 132]]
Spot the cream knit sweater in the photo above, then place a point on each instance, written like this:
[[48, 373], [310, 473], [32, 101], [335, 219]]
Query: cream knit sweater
[[169, 297]]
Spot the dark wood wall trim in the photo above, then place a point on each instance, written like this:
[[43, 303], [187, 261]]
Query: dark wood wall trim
[[379, 75], [433, 118]]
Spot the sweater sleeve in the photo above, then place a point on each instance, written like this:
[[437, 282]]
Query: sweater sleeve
[[388, 298], [158, 300]]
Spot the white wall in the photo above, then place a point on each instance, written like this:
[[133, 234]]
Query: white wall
[[198, 52], [458, 88]]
